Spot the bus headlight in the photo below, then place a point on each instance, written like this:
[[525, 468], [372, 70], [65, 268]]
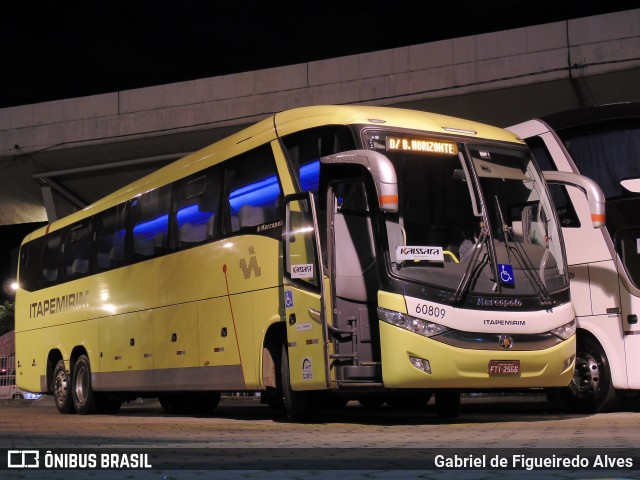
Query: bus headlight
[[566, 331], [413, 324]]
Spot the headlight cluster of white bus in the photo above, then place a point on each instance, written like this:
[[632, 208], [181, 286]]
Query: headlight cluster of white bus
[[413, 324], [565, 331]]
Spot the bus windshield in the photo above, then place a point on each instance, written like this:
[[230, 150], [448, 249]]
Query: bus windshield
[[609, 154], [472, 218]]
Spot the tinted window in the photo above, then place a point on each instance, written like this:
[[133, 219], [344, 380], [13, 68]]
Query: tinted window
[[197, 207], [109, 239], [29, 275], [252, 190], [150, 223], [77, 251], [607, 156], [305, 148], [50, 264]]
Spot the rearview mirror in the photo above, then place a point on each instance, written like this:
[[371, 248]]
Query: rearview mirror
[[590, 188], [631, 185]]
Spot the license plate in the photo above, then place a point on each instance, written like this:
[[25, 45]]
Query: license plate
[[504, 367]]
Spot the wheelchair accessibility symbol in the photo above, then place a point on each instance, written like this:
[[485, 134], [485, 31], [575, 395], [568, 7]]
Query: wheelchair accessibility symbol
[[506, 274], [288, 299]]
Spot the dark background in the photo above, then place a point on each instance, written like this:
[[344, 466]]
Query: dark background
[[60, 49], [55, 49]]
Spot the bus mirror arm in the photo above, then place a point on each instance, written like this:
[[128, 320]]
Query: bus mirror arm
[[381, 170], [590, 188]]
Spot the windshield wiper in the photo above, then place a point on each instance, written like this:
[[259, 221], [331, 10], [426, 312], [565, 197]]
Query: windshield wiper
[[523, 259], [471, 271]]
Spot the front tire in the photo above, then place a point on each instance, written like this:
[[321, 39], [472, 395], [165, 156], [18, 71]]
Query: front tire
[[297, 405], [591, 389], [62, 389]]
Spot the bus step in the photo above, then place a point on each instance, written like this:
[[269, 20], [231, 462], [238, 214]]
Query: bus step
[[369, 373], [344, 355]]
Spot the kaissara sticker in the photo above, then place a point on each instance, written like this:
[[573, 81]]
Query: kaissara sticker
[[304, 270]]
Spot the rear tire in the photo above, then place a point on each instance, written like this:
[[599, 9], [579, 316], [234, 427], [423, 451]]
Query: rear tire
[[591, 389], [297, 405], [62, 389], [84, 399]]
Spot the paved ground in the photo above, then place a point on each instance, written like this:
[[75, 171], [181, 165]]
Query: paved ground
[[246, 440]]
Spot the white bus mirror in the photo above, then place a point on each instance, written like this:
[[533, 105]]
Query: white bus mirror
[[631, 185], [590, 188]]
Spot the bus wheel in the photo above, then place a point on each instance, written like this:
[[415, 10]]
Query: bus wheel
[[448, 404], [591, 389], [297, 405], [272, 397], [84, 399], [61, 391]]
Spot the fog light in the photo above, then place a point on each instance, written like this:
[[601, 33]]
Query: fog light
[[420, 363], [567, 363]]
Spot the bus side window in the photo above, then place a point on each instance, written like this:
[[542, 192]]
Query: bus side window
[[28, 272], [252, 190], [77, 251], [305, 148], [197, 201], [564, 208], [50, 265], [109, 239], [150, 223]]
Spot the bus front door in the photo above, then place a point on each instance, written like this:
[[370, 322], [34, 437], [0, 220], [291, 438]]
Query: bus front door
[[306, 354]]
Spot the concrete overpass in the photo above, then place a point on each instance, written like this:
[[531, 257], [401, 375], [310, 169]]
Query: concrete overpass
[[56, 157]]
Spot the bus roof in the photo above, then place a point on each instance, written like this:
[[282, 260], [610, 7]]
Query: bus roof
[[286, 122], [307, 117]]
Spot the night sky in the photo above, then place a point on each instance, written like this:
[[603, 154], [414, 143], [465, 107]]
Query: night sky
[[54, 50]]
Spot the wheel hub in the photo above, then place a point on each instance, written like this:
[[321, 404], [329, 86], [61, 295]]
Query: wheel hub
[[586, 377], [61, 388], [81, 385]]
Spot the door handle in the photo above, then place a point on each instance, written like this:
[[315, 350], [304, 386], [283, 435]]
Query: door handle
[[314, 314]]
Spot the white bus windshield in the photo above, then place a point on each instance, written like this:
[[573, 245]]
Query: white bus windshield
[[610, 155]]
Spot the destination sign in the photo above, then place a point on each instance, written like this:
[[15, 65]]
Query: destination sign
[[421, 145]]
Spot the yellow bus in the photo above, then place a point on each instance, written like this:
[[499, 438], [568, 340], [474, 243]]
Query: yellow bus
[[326, 253]]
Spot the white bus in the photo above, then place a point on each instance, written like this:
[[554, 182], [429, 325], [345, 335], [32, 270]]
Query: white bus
[[602, 143]]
